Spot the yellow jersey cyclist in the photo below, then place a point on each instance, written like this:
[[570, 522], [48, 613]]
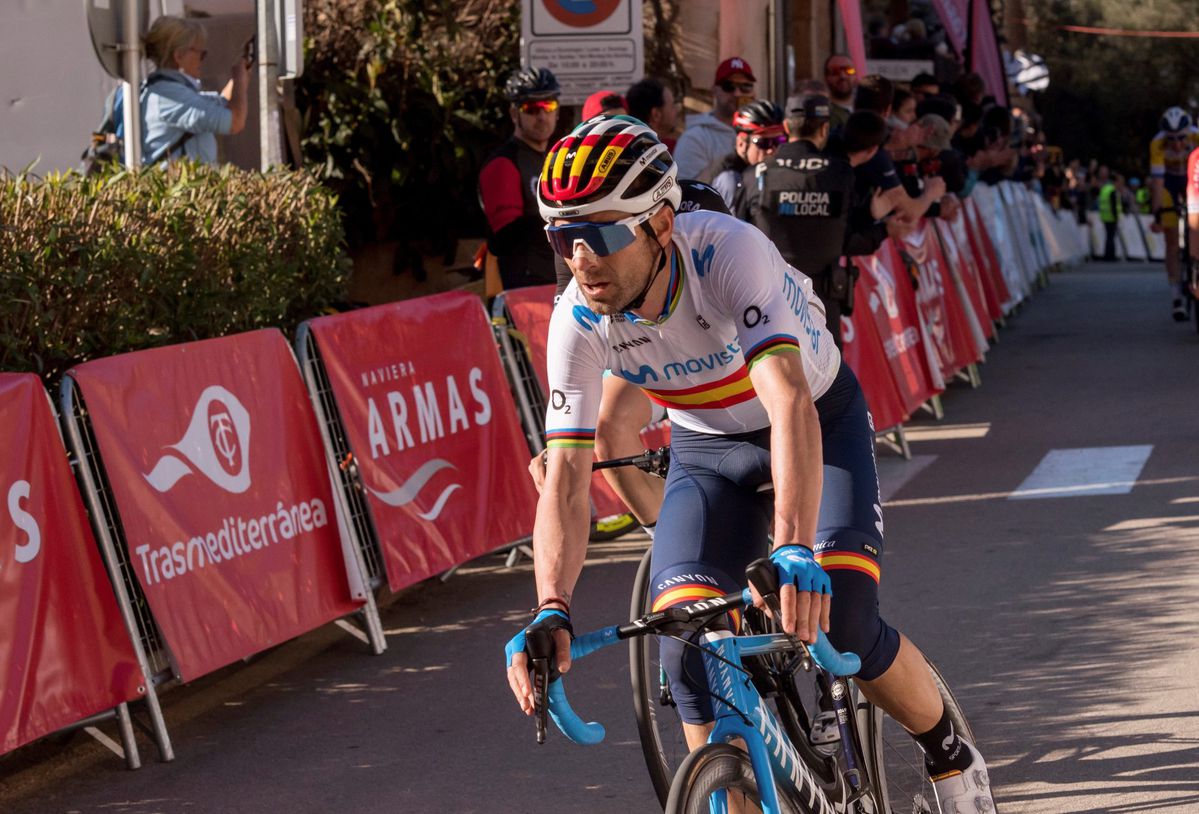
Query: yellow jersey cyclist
[[1168, 152], [701, 311]]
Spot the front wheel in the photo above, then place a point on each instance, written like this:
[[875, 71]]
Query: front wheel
[[712, 769], [896, 761]]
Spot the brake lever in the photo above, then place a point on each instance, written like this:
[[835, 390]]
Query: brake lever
[[762, 575], [541, 681]]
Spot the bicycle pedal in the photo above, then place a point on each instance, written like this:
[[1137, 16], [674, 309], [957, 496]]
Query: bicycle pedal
[[825, 734]]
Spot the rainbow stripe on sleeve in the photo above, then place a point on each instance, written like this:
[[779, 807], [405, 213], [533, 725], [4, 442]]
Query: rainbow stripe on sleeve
[[771, 345], [570, 438]]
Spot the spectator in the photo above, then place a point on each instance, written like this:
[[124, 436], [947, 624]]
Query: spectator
[[710, 136], [924, 84], [874, 94], [806, 88], [651, 101], [903, 109], [915, 44], [881, 45], [1111, 207], [939, 160], [760, 132], [604, 102], [970, 89], [804, 201], [507, 182], [842, 79], [181, 121], [941, 105]]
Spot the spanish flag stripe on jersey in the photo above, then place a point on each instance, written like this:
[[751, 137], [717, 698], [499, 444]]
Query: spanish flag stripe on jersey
[[837, 560], [725, 392]]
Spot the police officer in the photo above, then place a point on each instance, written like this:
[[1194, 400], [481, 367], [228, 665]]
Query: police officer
[[805, 202]]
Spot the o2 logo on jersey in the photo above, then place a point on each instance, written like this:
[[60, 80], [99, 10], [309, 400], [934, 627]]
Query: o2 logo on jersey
[[25, 522], [753, 317], [558, 402], [581, 13]]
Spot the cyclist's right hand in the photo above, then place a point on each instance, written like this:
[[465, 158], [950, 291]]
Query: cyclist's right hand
[[557, 623], [537, 470]]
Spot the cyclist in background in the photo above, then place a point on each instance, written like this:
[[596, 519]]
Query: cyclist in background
[[705, 316], [1168, 153]]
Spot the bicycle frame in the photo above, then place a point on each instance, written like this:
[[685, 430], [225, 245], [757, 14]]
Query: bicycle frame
[[743, 716]]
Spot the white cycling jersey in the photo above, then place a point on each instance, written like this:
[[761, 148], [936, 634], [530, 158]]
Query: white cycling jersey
[[732, 301]]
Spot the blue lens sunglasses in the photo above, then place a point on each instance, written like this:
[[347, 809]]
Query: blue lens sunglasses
[[601, 239]]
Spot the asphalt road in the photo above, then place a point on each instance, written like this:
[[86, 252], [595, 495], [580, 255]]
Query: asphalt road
[[1067, 625]]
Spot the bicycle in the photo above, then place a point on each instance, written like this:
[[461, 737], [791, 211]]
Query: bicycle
[[806, 709]]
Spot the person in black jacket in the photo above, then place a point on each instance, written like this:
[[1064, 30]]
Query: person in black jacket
[[804, 199], [507, 182]]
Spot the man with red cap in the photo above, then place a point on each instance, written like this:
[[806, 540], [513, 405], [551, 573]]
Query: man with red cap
[[609, 102], [710, 136]]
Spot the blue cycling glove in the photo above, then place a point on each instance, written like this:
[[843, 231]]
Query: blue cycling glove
[[797, 566], [550, 619]]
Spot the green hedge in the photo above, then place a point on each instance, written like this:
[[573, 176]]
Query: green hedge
[[93, 267]]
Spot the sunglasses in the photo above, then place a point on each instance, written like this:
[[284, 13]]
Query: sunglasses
[[729, 87], [601, 239], [1179, 137], [533, 108], [844, 70], [767, 142]]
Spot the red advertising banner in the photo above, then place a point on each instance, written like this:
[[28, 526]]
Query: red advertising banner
[[941, 317], [885, 292], [428, 413], [530, 309], [64, 650], [994, 286], [215, 461], [862, 349], [961, 263]]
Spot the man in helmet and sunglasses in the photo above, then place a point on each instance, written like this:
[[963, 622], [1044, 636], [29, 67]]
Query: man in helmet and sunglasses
[[507, 182], [1168, 152], [703, 314], [760, 132]]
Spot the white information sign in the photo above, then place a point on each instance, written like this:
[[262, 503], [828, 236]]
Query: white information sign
[[590, 45]]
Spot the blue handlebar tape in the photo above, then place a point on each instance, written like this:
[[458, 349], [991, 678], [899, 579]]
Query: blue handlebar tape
[[828, 657], [588, 643], [572, 726]]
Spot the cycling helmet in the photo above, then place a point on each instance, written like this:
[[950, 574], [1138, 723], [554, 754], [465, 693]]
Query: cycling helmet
[[1175, 120], [609, 163], [760, 118], [531, 84]]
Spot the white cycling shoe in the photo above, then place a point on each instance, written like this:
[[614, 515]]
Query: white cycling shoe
[[965, 792]]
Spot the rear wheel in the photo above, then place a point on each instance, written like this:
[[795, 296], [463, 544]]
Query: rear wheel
[[712, 768], [610, 528], [897, 763]]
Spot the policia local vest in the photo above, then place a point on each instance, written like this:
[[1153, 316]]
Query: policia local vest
[[803, 205]]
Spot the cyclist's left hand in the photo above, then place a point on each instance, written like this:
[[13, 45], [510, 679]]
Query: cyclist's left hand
[[805, 592]]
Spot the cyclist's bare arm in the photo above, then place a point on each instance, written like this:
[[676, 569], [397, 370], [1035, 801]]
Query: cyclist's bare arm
[[559, 548], [797, 467]]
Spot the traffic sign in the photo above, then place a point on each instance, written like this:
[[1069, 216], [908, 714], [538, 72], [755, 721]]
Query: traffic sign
[[590, 45], [105, 19]]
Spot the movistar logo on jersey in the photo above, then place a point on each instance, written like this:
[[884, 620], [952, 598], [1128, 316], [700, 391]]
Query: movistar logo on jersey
[[798, 301], [586, 317], [703, 261], [682, 369]]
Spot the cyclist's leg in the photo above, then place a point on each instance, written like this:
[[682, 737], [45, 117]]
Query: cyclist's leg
[[894, 674], [710, 528], [624, 410]]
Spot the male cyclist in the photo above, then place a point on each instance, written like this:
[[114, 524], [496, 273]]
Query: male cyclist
[[1168, 153], [704, 315]]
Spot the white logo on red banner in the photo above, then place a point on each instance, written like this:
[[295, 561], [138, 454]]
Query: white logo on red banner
[[23, 520], [410, 489], [217, 444]]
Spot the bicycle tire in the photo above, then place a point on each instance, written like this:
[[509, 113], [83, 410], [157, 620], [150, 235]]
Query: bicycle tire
[[664, 751], [895, 760], [712, 767]]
